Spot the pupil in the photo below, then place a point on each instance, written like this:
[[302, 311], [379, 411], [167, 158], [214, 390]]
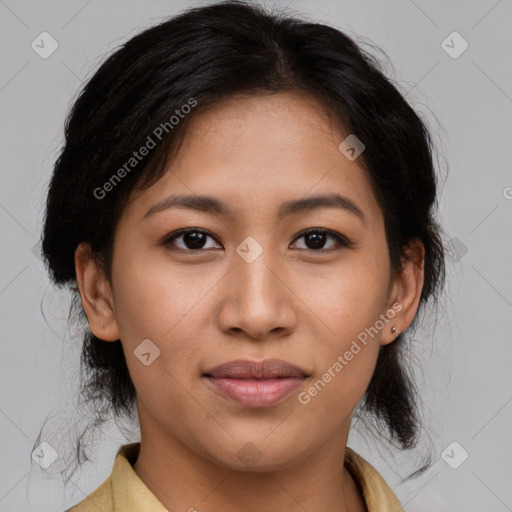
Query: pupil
[[194, 239], [318, 239]]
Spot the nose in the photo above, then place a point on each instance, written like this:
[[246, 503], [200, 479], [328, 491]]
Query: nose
[[257, 300]]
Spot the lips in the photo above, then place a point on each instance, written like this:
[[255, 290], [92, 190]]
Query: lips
[[255, 383], [244, 369]]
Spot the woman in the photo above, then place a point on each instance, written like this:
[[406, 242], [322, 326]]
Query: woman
[[245, 207]]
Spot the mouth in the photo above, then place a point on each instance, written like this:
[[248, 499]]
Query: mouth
[[255, 384]]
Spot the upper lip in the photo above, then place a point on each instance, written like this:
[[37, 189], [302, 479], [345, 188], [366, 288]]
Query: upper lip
[[245, 369]]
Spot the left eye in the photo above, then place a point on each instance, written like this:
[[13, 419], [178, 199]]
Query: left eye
[[194, 239], [317, 238]]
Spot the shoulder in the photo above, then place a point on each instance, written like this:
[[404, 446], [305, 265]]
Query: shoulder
[[123, 490], [100, 499], [378, 495]]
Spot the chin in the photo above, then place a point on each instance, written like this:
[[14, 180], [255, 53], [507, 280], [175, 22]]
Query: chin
[[257, 455]]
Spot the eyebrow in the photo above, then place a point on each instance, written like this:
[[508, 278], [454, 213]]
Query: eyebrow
[[208, 204]]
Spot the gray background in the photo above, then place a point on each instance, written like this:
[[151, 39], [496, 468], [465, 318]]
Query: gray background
[[465, 378]]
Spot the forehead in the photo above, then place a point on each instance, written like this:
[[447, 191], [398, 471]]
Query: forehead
[[260, 151], [269, 121]]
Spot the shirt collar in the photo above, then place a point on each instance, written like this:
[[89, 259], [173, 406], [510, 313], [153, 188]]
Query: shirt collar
[[129, 492], [377, 494]]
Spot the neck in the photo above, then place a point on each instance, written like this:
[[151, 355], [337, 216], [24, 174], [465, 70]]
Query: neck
[[182, 479]]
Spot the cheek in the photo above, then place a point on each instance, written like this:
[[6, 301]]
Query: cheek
[[345, 358], [349, 298], [156, 305], [159, 306], [348, 326], [152, 299]]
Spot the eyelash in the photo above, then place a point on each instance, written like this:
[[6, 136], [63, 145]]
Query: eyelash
[[341, 241]]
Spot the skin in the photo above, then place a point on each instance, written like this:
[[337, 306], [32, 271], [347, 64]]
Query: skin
[[203, 307]]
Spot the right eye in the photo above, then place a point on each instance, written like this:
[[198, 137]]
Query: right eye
[[193, 239]]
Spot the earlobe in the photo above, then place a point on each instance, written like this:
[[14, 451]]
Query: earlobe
[[406, 291], [96, 295]]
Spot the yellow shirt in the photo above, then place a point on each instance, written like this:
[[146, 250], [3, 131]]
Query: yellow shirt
[[124, 491]]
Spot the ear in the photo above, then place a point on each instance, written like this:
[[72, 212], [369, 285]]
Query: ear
[[96, 294], [405, 293]]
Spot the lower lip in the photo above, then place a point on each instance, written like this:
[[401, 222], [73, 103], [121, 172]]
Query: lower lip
[[256, 392]]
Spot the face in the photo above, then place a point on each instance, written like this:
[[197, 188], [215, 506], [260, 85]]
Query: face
[[247, 283]]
